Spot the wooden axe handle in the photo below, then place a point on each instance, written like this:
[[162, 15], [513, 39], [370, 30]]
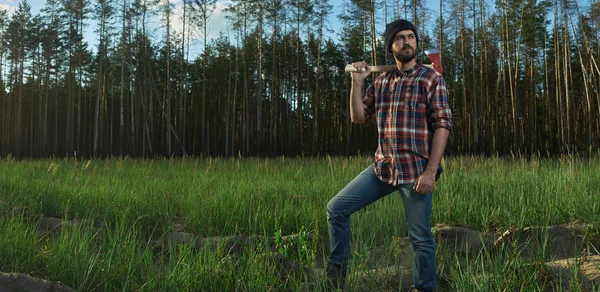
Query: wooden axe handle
[[382, 68]]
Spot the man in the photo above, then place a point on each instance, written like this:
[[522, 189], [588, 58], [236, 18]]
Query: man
[[410, 106]]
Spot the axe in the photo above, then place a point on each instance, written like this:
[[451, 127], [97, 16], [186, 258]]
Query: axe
[[433, 54]]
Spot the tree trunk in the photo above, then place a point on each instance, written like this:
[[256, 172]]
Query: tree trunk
[[259, 94], [274, 92], [167, 85], [99, 93], [228, 110], [465, 119], [373, 33], [299, 82], [566, 73], [19, 118], [475, 101], [122, 89], [80, 71], [183, 75], [484, 72], [133, 139]]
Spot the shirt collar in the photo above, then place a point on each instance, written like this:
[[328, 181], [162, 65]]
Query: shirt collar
[[407, 72]]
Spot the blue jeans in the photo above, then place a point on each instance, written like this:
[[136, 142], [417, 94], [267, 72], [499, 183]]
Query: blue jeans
[[365, 189]]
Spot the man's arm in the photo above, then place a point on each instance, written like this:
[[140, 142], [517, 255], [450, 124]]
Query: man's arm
[[440, 118], [426, 181], [357, 107], [438, 146]]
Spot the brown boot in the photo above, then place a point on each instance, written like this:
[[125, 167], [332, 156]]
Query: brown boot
[[336, 277]]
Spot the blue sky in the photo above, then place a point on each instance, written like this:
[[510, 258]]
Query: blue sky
[[218, 22]]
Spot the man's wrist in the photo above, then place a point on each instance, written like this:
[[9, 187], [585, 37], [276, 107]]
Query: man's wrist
[[358, 81], [430, 171]]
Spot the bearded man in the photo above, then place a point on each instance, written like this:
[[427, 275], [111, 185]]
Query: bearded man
[[411, 109]]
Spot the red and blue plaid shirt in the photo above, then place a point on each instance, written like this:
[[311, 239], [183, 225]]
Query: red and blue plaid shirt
[[408, 107]]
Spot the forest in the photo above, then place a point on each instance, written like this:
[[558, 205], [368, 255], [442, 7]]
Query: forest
[[522, 76]]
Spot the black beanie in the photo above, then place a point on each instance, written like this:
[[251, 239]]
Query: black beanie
[[395, 26]]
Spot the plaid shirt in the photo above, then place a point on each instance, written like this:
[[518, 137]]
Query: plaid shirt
[[408, 107]]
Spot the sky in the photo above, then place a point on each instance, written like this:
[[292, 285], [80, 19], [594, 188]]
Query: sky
[[217, 23]]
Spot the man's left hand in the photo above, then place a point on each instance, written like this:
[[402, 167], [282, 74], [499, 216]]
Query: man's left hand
[[425, 183]]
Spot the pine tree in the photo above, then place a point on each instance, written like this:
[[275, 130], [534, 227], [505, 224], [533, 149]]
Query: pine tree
[[4, 120], [18, 36], [201, 14]]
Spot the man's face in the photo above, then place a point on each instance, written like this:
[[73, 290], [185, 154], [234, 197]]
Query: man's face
[[404, 46]]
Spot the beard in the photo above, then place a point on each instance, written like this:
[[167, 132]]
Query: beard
[[405, 56]]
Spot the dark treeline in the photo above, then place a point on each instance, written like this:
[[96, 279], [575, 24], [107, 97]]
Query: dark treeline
[[522, 76]]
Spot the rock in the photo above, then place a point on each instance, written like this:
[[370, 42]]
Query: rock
[[560, 241], [16, 282], [234, 244], [55, 225], [50, 224], [589, 271], [226, 244], [178, 237], [461, 239]]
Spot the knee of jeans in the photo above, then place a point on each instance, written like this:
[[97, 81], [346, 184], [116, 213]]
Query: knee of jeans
[[421, 237], [422, 244], [332, 211]]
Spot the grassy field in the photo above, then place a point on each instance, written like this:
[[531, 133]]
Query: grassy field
[[125, 206]]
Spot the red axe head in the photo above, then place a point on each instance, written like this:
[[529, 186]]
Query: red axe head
[[436, 59]]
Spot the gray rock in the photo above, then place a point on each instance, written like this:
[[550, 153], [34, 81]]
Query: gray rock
[[16, 282], [461, 239]]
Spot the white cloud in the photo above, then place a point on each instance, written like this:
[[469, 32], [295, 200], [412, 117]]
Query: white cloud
[[10, 8], [218, 22]]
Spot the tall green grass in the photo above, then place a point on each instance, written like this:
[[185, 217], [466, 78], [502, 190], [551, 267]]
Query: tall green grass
[[138, 201]]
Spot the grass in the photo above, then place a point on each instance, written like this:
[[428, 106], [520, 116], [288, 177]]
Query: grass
[[140, 201]]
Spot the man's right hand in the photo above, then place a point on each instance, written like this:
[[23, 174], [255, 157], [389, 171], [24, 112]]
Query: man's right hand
[[359, 75]]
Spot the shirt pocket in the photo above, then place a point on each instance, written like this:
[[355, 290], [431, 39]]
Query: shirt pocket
[[414, 100], [415, 107]]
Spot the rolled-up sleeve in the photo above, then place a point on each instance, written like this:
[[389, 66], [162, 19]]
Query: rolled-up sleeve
[[440, 115], [369, 103]]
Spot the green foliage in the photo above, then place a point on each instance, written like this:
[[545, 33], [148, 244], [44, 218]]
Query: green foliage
[[121, 208], [301, 249]]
